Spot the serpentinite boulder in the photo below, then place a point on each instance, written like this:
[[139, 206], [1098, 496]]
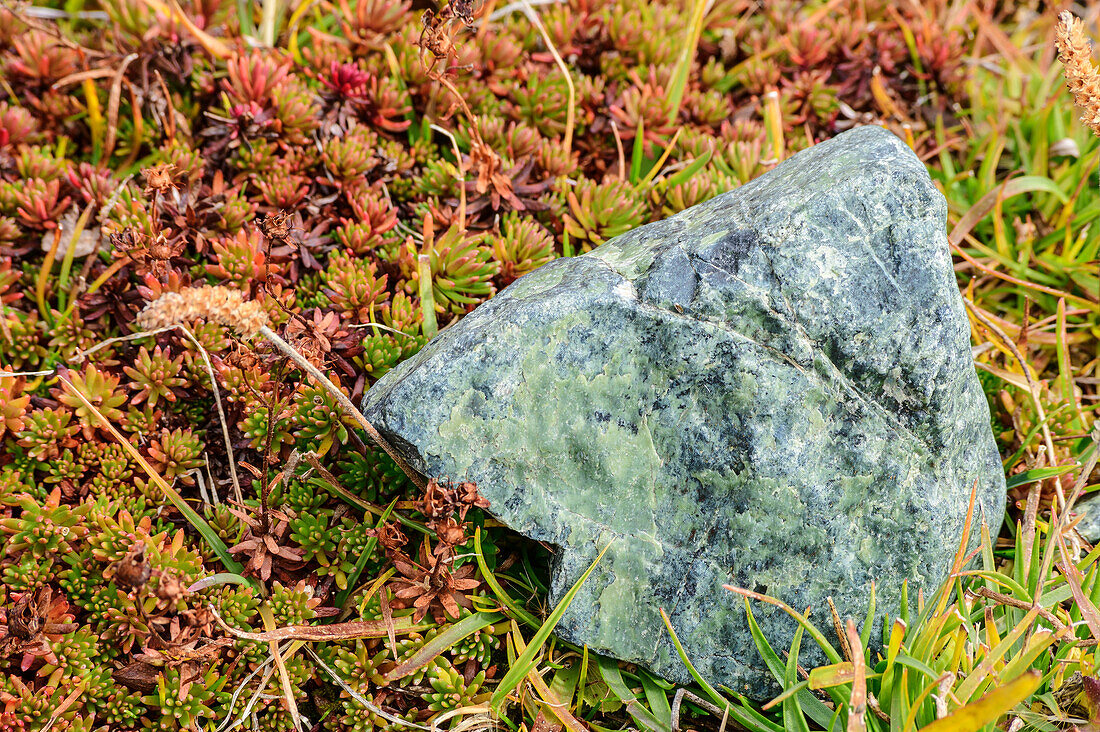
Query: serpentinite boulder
[[773, 389]]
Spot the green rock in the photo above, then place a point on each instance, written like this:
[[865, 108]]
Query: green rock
[[1088, 511], [773, 390]]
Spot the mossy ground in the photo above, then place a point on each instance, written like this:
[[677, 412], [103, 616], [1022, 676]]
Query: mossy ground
[[367, 171]]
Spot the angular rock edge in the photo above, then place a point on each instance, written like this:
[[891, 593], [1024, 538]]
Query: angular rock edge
[[790, 222]]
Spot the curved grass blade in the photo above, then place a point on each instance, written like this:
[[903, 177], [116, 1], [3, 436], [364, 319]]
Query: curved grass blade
[[527, 659], [361, 562], [793, 718], [613, 677], [507, 600], [205, 530], [817, 711], [447, 638]]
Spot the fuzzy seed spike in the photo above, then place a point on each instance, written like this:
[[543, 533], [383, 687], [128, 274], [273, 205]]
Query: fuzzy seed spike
[[219, 304], [1082, 79]]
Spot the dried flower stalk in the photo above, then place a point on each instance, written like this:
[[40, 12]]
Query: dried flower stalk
[[219, 304], [228, 307], [1082, 79]]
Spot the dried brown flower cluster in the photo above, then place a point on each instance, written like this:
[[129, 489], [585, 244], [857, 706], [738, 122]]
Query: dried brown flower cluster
[[215, 303], [1082, 79], [431, 583]]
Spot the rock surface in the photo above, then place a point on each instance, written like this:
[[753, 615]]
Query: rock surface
[[1089, 525], [773, 389]]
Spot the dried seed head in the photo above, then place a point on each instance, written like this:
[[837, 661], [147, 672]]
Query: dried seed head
[[133, 570], [159, 178], [1082, 78], [219, 304]]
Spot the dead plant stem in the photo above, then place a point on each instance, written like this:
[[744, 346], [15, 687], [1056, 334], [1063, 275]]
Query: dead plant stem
[[345, 403]]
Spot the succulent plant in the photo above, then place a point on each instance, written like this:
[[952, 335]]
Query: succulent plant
[[40, 58], [295, 107], [342, 131], [155, 376], [370, 205], [363, 664], [13, 404], [523, 246], [40, 162], [64, 469], [353, 286], [647, 107], [311, 531], [236, 210], [29, 572], [478, 646], [44, 529], [542, 102], [241, 259], [462, 270], [183, 704], [318, 420], [20, 339], [141, 422], [375, 476], [9, 230], [98, 388], [17, 125], [350, 157], [175, 453], [370, 20], [75, 656], [238, 605], [281, 189], [254, 426], [40, 203], [46, 432], [602, 211], [352, 545], [254, 77], [452, 691], [381, 352], [71, 335], [293, 605], [112, 466], [32, 709]]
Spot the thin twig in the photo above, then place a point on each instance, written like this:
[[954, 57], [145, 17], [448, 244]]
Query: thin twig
[[461, 175], [567, 140], [1045, 614], [680, 694], [237, 495], [839, 628], [345, 403], [359, 697], [1032, 386]]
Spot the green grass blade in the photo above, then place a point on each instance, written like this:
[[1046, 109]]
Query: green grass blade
[[742, 714], [361, 562], [816, 710], [658, 701], [507, 600], [684, 62], [450, 635], [613, 677], [793, 718], [689, 172], [527, 659], [637, 153]]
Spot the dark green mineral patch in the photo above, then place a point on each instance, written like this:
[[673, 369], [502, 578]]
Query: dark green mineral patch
[[773, 390]]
